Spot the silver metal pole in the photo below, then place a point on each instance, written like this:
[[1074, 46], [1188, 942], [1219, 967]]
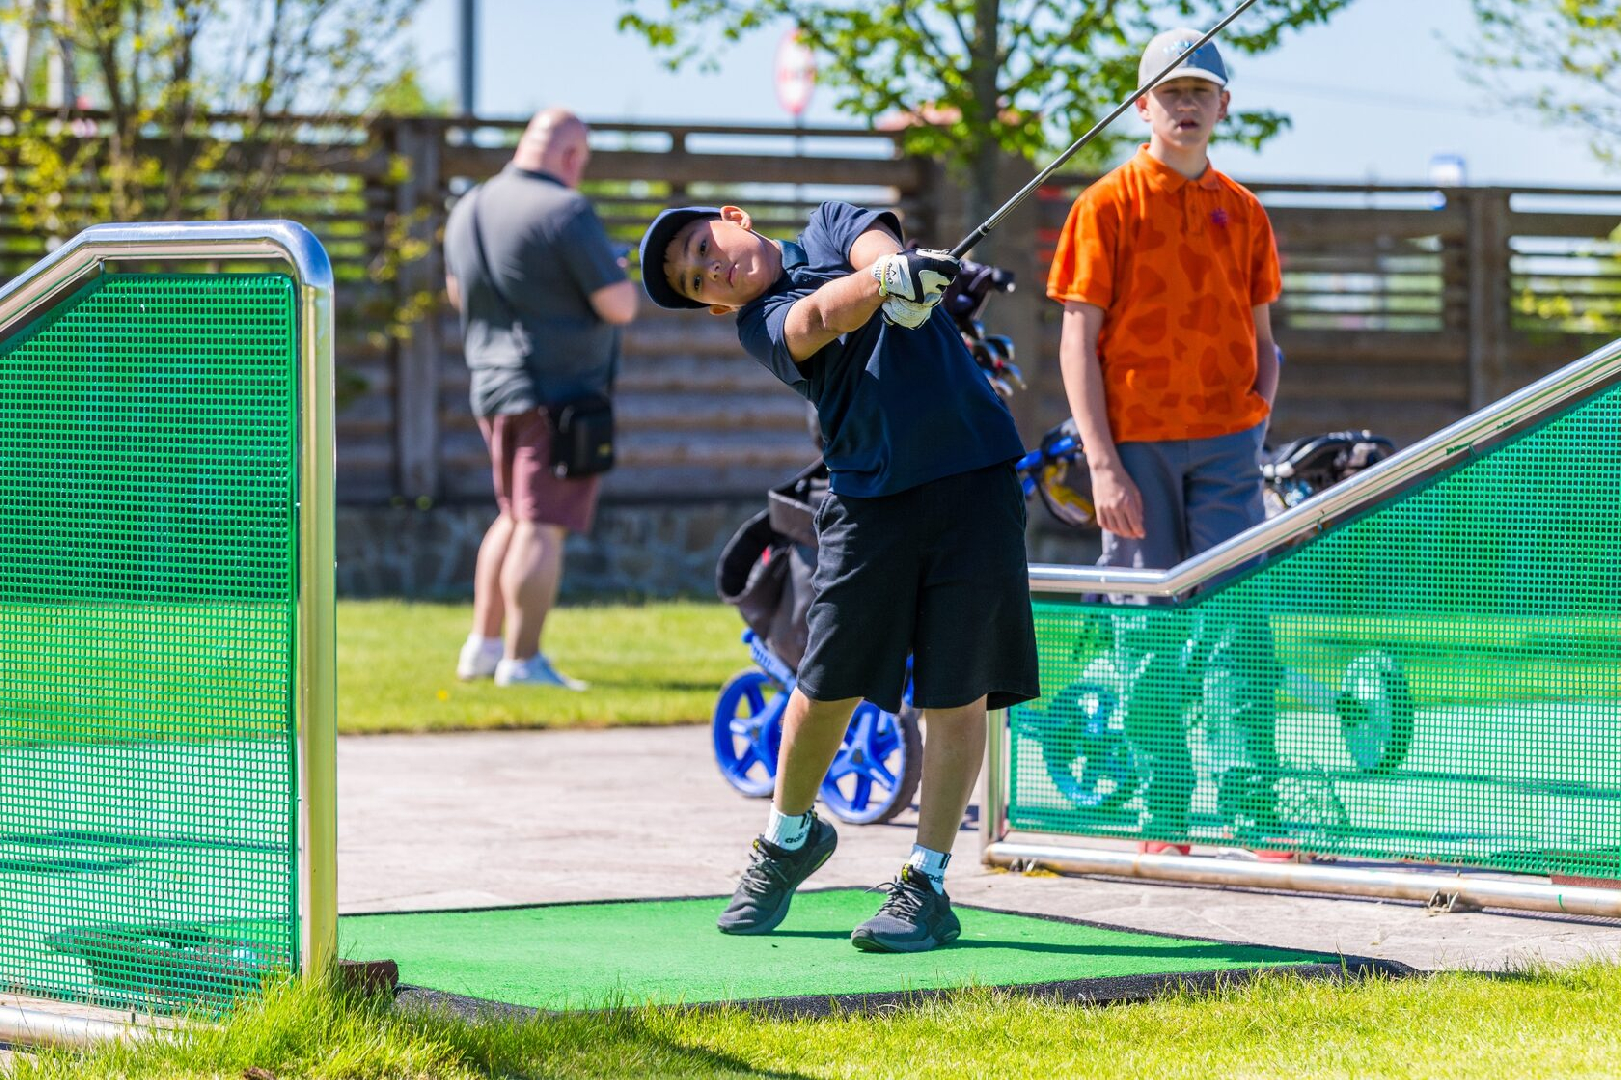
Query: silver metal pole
[[285, 241], [317, 624], [85, 255], [1311, 877], [993, 788], [467, 74], [27, 1027]]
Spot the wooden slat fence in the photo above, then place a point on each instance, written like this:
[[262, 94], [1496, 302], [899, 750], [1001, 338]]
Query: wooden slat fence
[[1404, 307]]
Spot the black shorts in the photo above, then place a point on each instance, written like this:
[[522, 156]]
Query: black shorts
[[938, 572]]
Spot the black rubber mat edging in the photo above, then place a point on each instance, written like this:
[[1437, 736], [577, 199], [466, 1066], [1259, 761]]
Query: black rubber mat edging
[[1115, 990]]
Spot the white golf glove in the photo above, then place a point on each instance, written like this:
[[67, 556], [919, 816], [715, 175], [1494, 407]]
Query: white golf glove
[[917, 275], [905, 313]]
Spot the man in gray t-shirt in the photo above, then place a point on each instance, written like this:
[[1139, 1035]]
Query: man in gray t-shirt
[[542, 296]]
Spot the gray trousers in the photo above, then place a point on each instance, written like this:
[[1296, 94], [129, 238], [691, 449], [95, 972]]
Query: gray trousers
[[1196, 494]]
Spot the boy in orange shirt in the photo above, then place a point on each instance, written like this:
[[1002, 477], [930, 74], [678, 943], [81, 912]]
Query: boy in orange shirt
[[1166, 268]]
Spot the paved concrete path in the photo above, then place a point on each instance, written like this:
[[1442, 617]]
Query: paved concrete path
[[501, 818]]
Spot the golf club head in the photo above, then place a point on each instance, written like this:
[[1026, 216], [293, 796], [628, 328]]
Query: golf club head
[[1001, 347], [1012, 374]]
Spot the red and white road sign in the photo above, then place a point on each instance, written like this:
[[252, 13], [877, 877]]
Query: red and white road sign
[[796, 73]]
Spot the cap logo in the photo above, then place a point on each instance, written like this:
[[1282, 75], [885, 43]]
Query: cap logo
[[1187, 52]]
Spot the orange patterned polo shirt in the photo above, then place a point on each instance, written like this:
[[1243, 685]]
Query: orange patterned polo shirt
[[1177, 265]]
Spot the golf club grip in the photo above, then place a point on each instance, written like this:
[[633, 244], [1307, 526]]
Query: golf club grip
[[973, 238], [985, 227]]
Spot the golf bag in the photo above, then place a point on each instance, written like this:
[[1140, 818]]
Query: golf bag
[[1297, 470], [765, 569]]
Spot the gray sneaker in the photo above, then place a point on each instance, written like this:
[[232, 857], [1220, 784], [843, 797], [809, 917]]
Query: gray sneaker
[[762, 897], [914, 918]]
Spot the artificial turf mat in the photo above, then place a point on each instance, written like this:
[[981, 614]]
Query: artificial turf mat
[[596, 955]]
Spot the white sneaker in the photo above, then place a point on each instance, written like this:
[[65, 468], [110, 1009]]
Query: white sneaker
[[535, 671], [479, 658]]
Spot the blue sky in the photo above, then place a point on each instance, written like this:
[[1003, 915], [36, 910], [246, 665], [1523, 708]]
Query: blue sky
[[1374, 95]]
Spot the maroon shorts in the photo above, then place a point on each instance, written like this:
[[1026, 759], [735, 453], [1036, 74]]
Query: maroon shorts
[[525, 487]]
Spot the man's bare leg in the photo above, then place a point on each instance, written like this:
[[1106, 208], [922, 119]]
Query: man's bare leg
[[482, 651], [530, 575], [489, 609]]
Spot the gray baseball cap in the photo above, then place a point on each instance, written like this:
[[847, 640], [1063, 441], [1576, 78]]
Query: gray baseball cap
[[1205, 63]]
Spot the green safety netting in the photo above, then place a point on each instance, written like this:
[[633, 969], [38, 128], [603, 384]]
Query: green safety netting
[[1438, 679], [148, 500]]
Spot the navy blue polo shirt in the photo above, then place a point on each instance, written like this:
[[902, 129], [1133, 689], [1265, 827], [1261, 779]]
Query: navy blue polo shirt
[[897, 407]]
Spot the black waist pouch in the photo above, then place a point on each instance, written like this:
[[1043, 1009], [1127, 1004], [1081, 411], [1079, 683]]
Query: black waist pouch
[[582, 436]]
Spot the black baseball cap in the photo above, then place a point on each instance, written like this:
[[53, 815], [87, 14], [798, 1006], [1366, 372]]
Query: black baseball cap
[[656, 241]]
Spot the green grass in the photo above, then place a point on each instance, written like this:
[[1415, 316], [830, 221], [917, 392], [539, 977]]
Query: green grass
[[650, 664], [663, 663], [1531, 1023]]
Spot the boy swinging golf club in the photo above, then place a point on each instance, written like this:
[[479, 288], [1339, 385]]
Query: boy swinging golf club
[[921, 536]]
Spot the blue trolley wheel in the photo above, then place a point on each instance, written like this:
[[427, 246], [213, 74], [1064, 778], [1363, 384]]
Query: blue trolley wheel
[[876, 772], [747, 731], [1375, 710], [1091, 763]]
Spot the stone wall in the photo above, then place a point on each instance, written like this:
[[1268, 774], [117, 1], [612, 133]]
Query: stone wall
[[642, 550], [638, 550]]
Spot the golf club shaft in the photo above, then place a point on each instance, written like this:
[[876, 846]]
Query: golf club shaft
[[990, 223]]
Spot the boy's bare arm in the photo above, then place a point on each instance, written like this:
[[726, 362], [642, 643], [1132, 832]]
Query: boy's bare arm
[[1266, 354], [1119, 503], [615, 304], [1083, 381], [842, 305]]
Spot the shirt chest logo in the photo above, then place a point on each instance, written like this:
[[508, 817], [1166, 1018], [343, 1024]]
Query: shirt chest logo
[[1219, 216]]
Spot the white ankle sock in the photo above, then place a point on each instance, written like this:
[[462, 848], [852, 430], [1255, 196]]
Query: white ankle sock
[[931, 864], [482, 642], [788, 831]]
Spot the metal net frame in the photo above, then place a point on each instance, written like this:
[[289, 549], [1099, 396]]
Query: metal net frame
[[165, 617], [1422, 666]]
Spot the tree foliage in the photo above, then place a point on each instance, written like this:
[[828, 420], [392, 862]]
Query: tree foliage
[[1590, 304], [1559, 59], [1023, 76], [171, 109]]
